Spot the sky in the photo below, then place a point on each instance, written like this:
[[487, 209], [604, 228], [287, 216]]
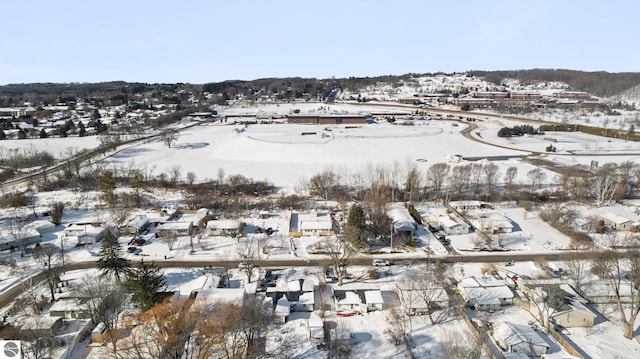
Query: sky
[[211, 41]]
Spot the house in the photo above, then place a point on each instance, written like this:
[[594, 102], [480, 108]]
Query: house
[[310, 224], [136, 225], [465, 205], [586, 225], [577, 314], [305, 302], [316, 329], [492, 222], [373, 299], [616, 222], [415, 303], [42, 326], [485, 293], [402, 222], [224, 227], [282, 310], [69, 308], [351, 302], [519, 338], [29, 236], [179, 228], [451, 226], [42, 226], [85, 233], [308, 285]]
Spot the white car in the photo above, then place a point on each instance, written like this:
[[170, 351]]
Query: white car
[[380, 262]]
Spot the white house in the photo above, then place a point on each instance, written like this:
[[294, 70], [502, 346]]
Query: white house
[[305, 303], [30, 236], [85, 233], [136, 225], [451, 226], [180, 228], [350, 302], [224, 227], [42, 226], [465, 205], [313, 224], [485, 293], [414, 303], [492, 222], [402, 221], [616, 222], [373, 299]]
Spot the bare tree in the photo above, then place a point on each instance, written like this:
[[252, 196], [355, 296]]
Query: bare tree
[[615, 267], [323, 184], [47, 256], [220, 175], [510, 176], [536, 177], [191, 178], [169, 137], [249, 253], [459, 178], [491, 174], [577, 268], [428, 288], [602, 185], [162, 332], [19, 232], [436, 175], [168, 237], [174, 174], [412, 183], [105, 301], [340, 253]]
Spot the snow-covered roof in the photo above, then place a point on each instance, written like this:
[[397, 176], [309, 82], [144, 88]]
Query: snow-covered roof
[[66, 305], [223, 224], [617, 219], [513, 334], [283, 306], [350, 298], [174, 226], [447, 222], [293, 286], [373, 297], [576, 306], [308, 285], [138, 221], [307, 298], [315, 225]]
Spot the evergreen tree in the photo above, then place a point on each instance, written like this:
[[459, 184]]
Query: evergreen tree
[[43, 133], [3, 136], [108, 185], [355, 231], [111, 261], [21, 134], [81, 130], [357, 217], [145, 283]]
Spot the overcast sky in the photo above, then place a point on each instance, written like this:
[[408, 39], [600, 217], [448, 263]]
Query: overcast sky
[[210, 41]]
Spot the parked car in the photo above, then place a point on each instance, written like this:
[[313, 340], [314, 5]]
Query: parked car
[[381, 262]]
